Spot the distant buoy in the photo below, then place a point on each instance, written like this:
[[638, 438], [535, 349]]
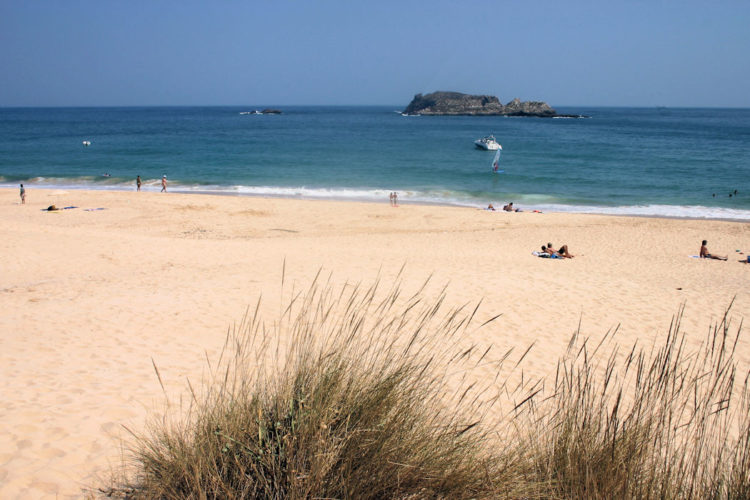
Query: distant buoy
[[87, 143]]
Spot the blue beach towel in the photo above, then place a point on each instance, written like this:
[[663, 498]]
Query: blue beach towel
[[545, 255]]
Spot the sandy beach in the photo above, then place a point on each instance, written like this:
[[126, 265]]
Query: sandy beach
[[91, 297]]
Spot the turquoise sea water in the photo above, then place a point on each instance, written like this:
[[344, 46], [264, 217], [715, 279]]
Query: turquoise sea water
[[669, 162]]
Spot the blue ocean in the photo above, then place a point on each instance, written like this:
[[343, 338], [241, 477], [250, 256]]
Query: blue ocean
[[638, 161]]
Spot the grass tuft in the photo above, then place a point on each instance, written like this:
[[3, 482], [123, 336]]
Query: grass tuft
[[362, 393], [656, 423], [354, 407]]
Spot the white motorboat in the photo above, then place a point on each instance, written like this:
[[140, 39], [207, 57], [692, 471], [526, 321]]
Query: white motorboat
[[488, 143]]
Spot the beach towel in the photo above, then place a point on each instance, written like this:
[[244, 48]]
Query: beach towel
[[545, 255], [93, 209], [53, 208]]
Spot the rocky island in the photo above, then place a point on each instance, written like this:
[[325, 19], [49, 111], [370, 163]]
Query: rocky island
[[456, 103]]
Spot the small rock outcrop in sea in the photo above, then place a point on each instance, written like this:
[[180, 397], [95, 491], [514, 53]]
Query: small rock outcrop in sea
[[269, 111], [456, 103]]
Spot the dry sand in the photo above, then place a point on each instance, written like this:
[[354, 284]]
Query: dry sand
[[89, 298]]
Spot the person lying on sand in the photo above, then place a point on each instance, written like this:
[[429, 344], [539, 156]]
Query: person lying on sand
[[551, 253], [54, 208], [705, 254], [562, 252], [490, 207]]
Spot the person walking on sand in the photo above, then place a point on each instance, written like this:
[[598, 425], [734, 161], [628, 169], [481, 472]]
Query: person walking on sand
[[163, 183], [138, 182], [705, 254], [22, 192]]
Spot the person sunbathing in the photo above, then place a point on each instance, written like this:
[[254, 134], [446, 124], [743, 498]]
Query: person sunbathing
[[562, 252], [705, 254], [551, 253]]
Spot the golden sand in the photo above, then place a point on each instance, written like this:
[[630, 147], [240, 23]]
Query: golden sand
[[88, 298]]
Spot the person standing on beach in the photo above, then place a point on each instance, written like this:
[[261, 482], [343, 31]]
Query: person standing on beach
[[163, 183], [138, 182], [23, 195]]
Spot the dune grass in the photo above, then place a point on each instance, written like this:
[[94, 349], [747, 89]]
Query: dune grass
[[354, 394], [660, 422]]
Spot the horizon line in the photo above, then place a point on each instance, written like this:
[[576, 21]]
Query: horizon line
[[395, 106]]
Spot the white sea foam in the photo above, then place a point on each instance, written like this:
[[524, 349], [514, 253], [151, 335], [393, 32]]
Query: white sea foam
[[527, 202], [446, 197], [681, 211]]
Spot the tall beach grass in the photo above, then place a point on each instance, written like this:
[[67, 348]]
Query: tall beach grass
[[366, 393], [656, 421]]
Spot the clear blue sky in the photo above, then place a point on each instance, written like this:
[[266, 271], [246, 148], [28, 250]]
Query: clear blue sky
[[568, 53]]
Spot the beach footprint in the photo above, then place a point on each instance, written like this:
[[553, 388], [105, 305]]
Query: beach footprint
[[50, 452], [24, 444]]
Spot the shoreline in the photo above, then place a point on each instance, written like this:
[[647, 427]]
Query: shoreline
[[542, 207], [93, 300]]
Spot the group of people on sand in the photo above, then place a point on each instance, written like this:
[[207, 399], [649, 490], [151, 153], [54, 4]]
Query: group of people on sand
[[705, 254], [560, 253], [163, 183], [138, 182], [507, 208], [549, 250], [394, 198]]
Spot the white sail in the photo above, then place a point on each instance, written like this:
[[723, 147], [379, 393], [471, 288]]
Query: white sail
[[496, 160]]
